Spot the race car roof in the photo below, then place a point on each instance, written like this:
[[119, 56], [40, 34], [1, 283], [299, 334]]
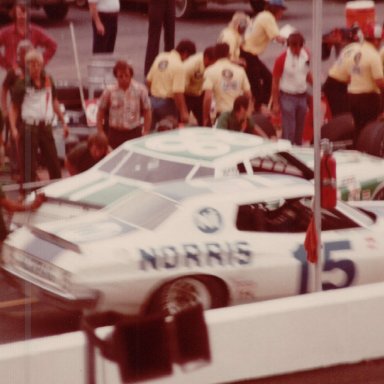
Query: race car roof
[[178, 154], [263, 186], [201, 144]]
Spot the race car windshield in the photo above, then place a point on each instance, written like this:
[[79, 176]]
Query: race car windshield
[[145, 168], [144, 209]]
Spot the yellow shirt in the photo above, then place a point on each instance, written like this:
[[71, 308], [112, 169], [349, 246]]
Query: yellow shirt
[[167, 75], [365, 69], [264, 29], [233, 39], [342, 66], [194, 74], [227, 81]]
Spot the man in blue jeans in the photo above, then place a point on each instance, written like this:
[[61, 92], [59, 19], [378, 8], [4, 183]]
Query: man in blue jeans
[[290, 78]]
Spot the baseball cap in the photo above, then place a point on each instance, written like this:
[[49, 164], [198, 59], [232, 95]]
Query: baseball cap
[[277, 3]]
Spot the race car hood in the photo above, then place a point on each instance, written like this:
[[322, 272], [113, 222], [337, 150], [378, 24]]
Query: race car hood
[[93, 228], [84, 193], [70, 244]]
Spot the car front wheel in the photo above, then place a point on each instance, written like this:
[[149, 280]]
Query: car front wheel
[[184, 8], [186, 292]]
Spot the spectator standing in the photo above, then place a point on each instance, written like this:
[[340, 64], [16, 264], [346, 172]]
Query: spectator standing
[[366, 79], [87, 154], [195, 66], [104, 15], [166, 82], [240, 119], [161, 15], [13, 74], [34, 98], [291, 74], [233, 35], [263, 30], [223, 82], [21, 29], [127, 106], [336, 83]]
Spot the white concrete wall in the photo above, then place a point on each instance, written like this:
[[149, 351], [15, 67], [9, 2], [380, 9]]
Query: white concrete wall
[[250, 341]]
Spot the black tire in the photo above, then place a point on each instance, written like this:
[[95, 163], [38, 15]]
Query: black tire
[[56, 11], [371, 139], [188, 291], [257, 5], [185, 8], [340, 128]]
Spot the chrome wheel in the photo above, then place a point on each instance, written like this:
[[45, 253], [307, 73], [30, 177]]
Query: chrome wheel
[[184, 8], [184, 292]]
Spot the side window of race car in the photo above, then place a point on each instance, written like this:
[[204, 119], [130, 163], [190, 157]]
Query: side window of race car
[[283, 216], [333, 219], [281, 162], [203, 172], [250, 217]]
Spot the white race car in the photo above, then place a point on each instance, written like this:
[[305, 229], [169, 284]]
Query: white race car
[[191, 153], [216, 241]]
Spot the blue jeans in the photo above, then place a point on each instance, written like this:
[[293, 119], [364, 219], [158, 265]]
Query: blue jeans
[[162, 108], [293, 111]]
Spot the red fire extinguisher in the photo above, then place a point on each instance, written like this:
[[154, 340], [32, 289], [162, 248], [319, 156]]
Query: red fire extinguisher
[[328, 178]]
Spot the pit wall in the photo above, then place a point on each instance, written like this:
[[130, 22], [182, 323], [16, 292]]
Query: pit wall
[[251, 341]]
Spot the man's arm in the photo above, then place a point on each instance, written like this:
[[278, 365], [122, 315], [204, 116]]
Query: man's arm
[[100, 119], [222, 121], [13, 113], [16, 206], [59, 113], [3, 59], [207, 102], [147, 121], [181, 107], [71, 168], [259, 131], [46, 42], [96, 18]]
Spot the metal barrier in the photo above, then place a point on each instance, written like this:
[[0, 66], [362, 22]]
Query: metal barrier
[[100, 73]]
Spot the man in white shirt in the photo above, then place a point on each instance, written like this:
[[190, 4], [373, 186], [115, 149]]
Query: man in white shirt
[[291, 75], [104, 14]]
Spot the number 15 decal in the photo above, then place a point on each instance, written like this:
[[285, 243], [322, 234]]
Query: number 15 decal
[[347, 267]]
